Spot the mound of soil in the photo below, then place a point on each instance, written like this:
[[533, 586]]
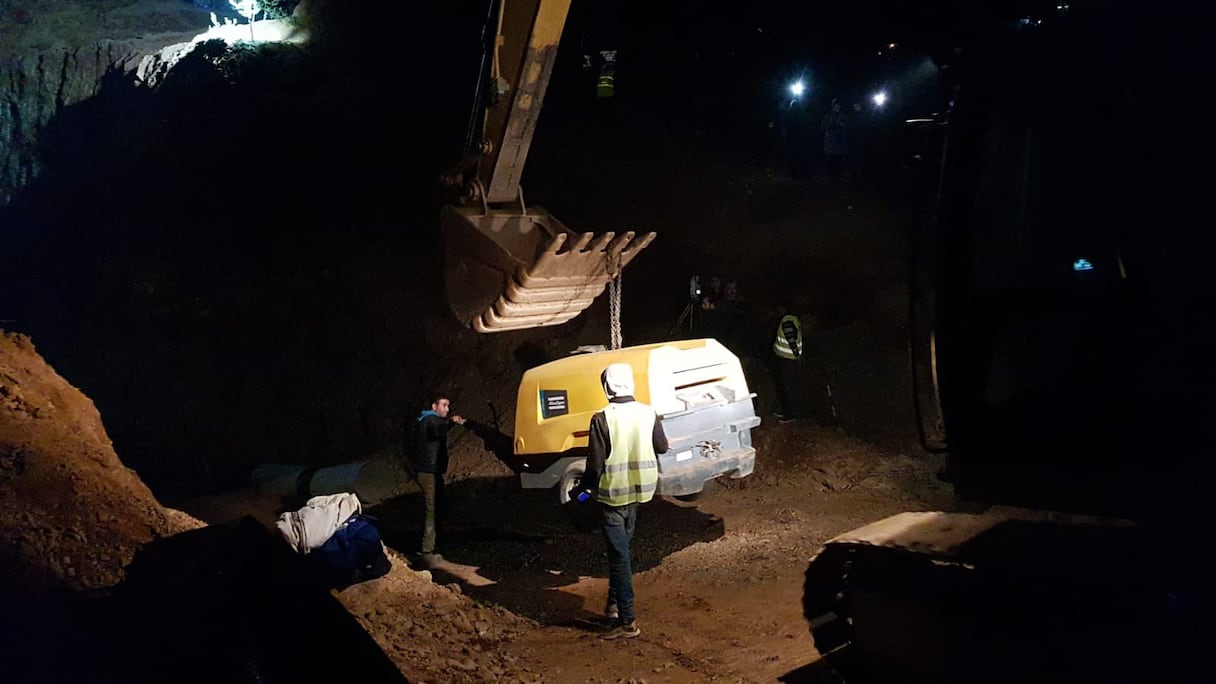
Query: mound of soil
[[71, 514]]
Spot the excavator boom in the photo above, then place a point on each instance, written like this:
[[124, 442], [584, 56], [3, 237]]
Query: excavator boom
[[526, 48], [508, 266]]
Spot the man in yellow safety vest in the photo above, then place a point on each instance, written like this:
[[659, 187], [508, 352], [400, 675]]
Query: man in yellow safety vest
[[605, 85], [787, 353], [622, 471]]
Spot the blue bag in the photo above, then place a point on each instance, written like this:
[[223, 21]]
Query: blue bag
[[354, 553]]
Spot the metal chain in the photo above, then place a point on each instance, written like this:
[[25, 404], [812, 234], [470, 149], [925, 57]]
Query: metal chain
[[614, 303]]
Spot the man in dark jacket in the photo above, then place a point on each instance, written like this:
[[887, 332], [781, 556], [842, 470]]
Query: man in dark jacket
[[622, 471], [430, 458]]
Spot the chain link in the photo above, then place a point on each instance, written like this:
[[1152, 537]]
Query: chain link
[[614, 303]]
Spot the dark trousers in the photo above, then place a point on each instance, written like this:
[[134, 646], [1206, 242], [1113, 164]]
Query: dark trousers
[[785, 379], [433, 503], [834, 164], [619, 522]]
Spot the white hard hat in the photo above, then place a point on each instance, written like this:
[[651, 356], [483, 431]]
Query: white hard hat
[[618, 380]]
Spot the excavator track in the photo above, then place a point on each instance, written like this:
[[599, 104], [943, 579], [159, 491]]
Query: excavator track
[[1009, 595]]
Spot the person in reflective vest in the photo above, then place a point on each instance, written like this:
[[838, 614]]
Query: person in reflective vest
[[605, 85], [622, 471], [787, 353]]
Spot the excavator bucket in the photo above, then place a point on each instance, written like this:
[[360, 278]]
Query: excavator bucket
[[510, 271]]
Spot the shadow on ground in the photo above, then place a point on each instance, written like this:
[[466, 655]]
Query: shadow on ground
[[515, 548], [818, 672]]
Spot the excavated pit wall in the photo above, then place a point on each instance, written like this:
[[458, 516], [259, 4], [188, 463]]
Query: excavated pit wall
[[55, 53]]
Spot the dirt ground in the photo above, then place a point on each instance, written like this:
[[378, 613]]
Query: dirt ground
[[518, 598], [719, 582]]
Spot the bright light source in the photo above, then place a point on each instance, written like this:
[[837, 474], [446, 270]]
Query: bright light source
[[880, 98], [1082, 265], [797, 88]]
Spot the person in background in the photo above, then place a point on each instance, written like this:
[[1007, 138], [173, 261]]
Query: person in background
[[787, 354], [742, 335], [713, 288], [430, 460], [733, 313], [622, 471], [835, 141], [711, 323]]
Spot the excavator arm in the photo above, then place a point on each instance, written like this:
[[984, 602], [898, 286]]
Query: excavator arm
[[508, 266]]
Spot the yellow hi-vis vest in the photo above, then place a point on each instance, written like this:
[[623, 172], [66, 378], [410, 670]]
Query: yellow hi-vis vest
[[631, 471], [781, 347], [605, 86]]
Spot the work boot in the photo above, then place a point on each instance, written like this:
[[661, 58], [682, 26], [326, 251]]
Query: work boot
[[622, 630], [611, 614]]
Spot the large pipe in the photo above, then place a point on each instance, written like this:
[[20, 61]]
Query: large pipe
[[285, 480], [373, 481]]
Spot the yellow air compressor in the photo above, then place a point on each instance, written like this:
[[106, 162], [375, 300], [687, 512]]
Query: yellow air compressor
[[696, 387]]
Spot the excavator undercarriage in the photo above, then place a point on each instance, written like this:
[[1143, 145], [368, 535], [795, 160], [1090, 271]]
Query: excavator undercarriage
[[1008, 595]]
